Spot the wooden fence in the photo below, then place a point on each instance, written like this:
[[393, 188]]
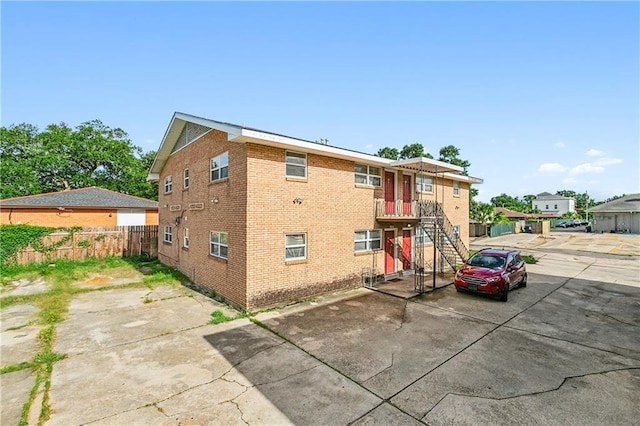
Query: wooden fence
[[101, 242]]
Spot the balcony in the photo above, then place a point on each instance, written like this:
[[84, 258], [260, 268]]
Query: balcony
[[401, 211]]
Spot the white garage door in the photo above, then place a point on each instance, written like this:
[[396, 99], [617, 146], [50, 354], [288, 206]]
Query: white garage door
[[128, 217]]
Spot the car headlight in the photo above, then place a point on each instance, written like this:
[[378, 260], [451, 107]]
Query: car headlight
[[492, 279]]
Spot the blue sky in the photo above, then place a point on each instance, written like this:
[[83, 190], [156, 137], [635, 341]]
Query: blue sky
[[539, 96]]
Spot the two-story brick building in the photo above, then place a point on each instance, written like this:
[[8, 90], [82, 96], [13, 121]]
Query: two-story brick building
[[264, 219]]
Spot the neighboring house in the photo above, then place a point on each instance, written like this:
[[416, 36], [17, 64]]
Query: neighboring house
[[555, 205], [513, 214], [264, 219], [621, 215], [86, 207]]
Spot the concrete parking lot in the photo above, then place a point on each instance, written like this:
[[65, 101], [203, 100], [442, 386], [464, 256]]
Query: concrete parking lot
[[563, 350]]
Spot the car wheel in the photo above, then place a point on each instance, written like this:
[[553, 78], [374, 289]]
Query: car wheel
[[505, 293], [523, 283], [458, 290]]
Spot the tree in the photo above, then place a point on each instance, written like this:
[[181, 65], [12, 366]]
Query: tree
[[60, 158], [390, 153], [450, 154], [415, 150], [485, 214]]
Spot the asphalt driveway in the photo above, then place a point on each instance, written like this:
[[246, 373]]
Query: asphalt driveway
[[563, 350]]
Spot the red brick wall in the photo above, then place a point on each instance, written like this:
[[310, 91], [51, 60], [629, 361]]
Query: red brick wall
[[226, 277]]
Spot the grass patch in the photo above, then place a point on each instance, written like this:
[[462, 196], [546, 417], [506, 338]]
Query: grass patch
[[218, 317], [529, 259]]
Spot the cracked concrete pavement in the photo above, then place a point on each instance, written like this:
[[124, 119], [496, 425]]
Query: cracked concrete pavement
[[563, 350]]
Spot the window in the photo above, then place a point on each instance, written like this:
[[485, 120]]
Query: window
[[422, 236], [456, 189], [185, 180], [185, 238], [220, 167], [168, 184], [295, 246], [367, 240], [168, 234], [296, 164], [456, 232], [368, 175], [424, 183], [555, 207], [546, 207], [219, 246]]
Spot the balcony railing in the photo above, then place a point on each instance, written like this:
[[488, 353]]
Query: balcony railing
[[403, 210]]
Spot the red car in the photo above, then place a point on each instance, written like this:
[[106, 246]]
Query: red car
[[492, 272]]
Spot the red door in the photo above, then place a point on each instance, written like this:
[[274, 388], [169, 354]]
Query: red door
[[406, 249], [389, 193], [389, 252], [406, 195]]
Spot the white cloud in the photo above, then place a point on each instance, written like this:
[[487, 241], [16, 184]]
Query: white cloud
[[594, 153], [586, 168], [368, 146], [607, 161], [150, 141], [570, 180], [559, 145], [551, 168]]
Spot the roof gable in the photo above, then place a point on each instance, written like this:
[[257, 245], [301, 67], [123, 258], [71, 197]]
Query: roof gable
[[91, 197]]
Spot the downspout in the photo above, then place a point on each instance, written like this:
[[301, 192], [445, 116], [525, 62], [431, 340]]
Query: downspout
[[435, 227]]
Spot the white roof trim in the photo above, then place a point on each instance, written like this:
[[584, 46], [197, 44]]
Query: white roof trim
[[241, 134]]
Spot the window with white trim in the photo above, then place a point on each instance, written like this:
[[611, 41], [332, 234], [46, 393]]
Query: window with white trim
[[219, 167], [219, 244], [367, 240], [555, 207], [456, 188], [422, 237], [424, 183], [368, 175], [296, 164], [295, 246], [168, 234], [168, 184], [185, 238], [185, 179]]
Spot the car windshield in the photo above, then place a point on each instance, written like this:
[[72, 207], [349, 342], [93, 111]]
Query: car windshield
[[487, 261]]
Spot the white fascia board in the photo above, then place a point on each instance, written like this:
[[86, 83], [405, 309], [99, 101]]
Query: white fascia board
[[299, 145], [463, 178], [230, 129], [415, 163]]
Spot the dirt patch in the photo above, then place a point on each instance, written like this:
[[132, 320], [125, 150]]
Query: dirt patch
[[101, 280]]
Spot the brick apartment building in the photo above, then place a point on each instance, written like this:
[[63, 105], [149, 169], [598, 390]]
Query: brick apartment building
[[264, 219]]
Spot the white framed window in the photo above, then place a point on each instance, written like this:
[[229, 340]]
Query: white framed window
[[456, 232], [168, 234], [555, 207], [185, 179], [219, 244], [296, 164], [367, 240], [168, 184], [456, 188], [422, 237], [424, 183], [220, 167], [368, 175], [295, 246], [185, 238], [546, 206]]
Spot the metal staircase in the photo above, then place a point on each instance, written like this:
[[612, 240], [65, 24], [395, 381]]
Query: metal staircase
[[437, 226]]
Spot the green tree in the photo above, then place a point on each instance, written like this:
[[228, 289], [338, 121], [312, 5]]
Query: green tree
[[450, 154], [414, 150], [60, 157], [390, 153]]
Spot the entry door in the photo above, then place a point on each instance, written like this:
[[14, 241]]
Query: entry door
[[389, 193], [406, 249], [406, 195], [389, 252]]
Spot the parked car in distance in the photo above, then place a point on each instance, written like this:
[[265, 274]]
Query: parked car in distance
[[492, 272], [565, 223]]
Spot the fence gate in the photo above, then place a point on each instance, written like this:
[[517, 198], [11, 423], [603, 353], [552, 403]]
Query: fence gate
[[498, 229], [143, 241]]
